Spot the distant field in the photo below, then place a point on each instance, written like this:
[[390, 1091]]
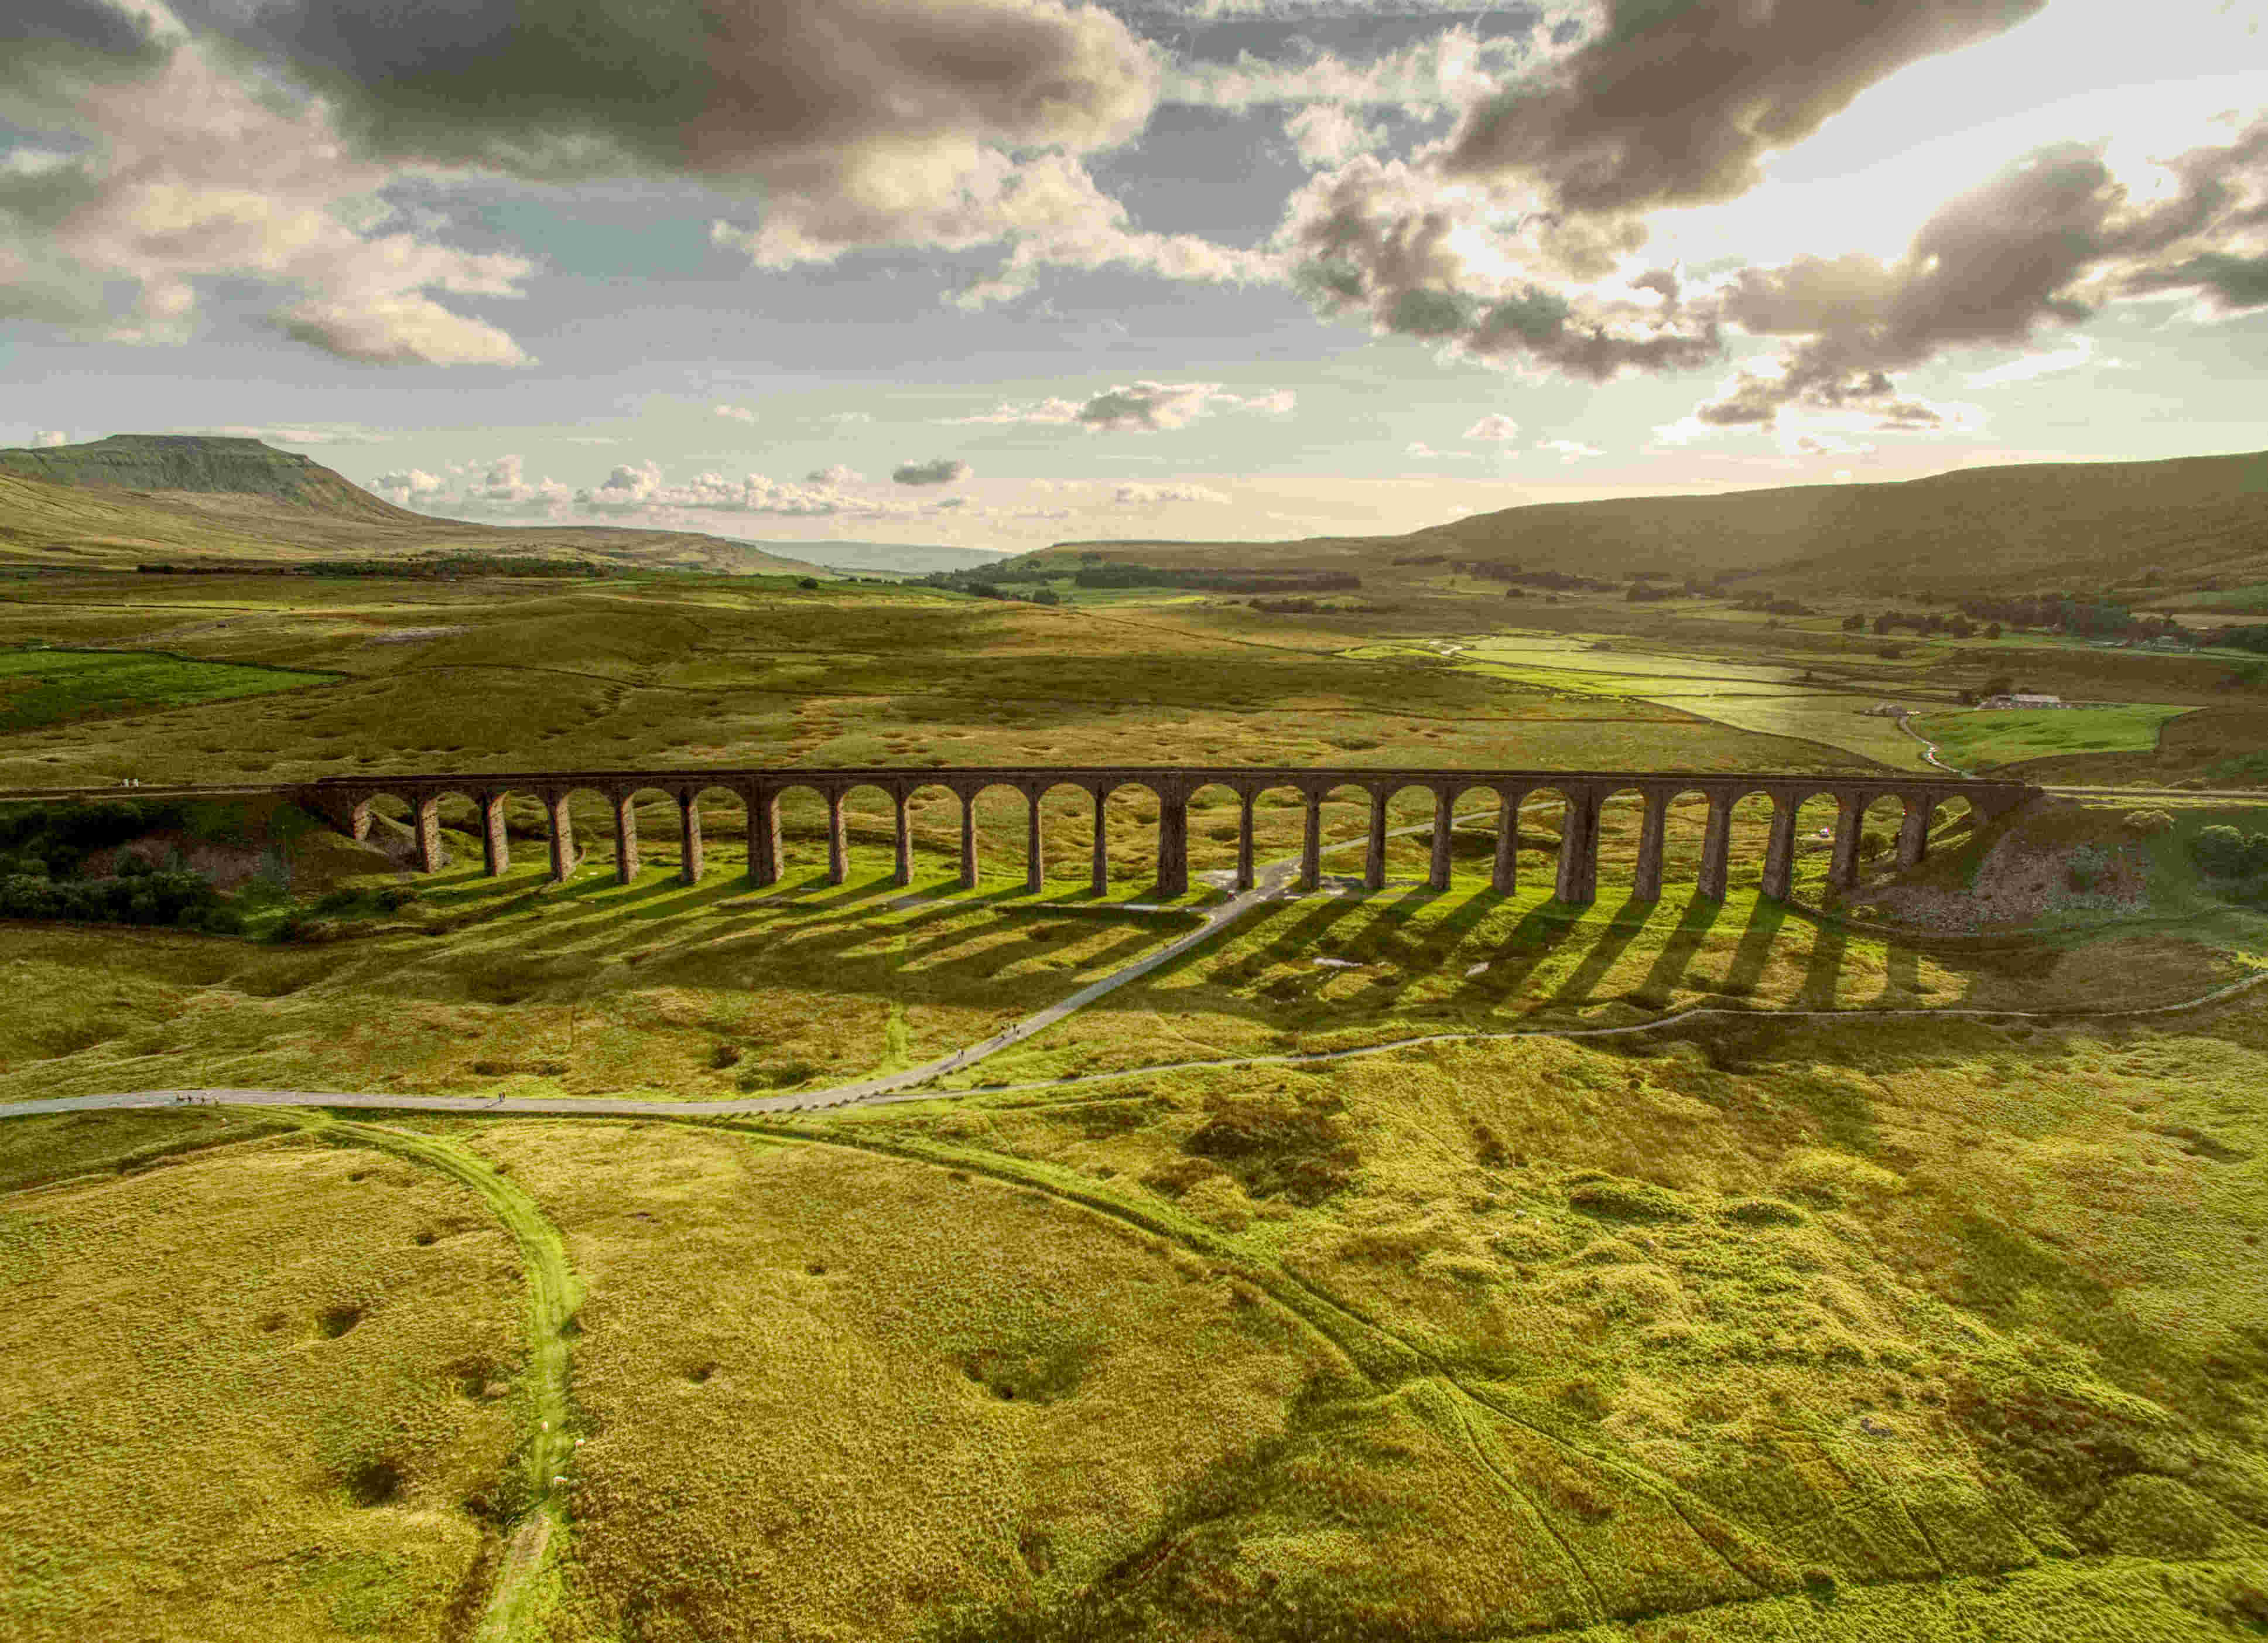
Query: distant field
[[40, 688], [2003, 736], [2251, 600], [1770, 700]]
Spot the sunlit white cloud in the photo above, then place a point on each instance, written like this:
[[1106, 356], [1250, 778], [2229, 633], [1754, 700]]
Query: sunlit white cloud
[[2033, 367], [1496, 426], [1139, 408], [1147, 496], [1569, 450]]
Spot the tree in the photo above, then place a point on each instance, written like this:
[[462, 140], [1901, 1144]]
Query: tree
[[1998, 684], [808, 582], [1855, 623], [1993, 631], [1883, 624]]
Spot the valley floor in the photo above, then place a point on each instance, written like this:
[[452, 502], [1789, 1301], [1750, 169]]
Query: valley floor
[[1882, 1267]]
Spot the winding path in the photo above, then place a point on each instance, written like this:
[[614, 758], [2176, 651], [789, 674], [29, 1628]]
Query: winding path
[[907, 1085]]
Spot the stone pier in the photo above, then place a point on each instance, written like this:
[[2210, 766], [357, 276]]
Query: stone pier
[[688, 836], [564, 857]]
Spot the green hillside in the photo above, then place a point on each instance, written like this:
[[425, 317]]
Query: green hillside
[[2049, 525]]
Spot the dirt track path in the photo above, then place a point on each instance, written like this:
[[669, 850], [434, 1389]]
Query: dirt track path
[[554, 1293]]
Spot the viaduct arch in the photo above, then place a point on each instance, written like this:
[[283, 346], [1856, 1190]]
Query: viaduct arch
[[346, 801]]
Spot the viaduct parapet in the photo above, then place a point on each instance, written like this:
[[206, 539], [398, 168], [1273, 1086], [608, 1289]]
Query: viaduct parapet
[[346, 801]]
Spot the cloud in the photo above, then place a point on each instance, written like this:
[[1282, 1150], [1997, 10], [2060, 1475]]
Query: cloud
[[1678, 105], [943, 471], [1762, 401], [252, 138], [1054, 217], [333, 435], [1493, 426], [1515, 235], [2048, 239], [188, 173], [1327, 134], [634, 493], [1143, 495], [397, 330], [1138, 408], [1420, 448], [640, 491], [843, 418], [1570, 449], [2032, 366], [860, 121], [736, 413], [1446, 68], [1055, 411], [502, 491], [836, 473], [54, 436], [1390, 241]]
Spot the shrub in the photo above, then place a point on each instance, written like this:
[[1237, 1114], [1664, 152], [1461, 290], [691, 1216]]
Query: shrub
[[2226, 853], [2147, 823], [152, 896]]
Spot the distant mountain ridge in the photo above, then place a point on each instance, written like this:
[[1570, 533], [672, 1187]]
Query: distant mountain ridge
[[142, 497], [897, 558], [2046, 527]]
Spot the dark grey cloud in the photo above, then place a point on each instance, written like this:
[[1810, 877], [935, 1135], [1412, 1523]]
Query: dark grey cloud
[[50, 49], [787, 92], [943, 471], [88, 25], [2047, 239], [1679, 101]]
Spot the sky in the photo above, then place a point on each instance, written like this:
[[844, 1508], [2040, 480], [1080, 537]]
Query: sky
[[999, 273]]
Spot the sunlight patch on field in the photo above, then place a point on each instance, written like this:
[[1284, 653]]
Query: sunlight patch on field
[[1990, 736]]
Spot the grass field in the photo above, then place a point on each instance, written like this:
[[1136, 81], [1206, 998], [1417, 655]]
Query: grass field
[[41, 688], [1755, 1326], [1987, 738], [255, 1391]]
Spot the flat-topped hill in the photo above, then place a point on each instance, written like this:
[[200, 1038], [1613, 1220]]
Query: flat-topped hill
[[135, 498], [2048, 526], [202, 464]]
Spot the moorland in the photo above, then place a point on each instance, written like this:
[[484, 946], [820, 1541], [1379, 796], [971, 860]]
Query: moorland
[[1879, 1264]]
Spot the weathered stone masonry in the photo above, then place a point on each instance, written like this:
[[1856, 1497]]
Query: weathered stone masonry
[[347, 801]]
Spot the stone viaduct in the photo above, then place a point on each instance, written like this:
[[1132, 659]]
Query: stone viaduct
[[346, 801]]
